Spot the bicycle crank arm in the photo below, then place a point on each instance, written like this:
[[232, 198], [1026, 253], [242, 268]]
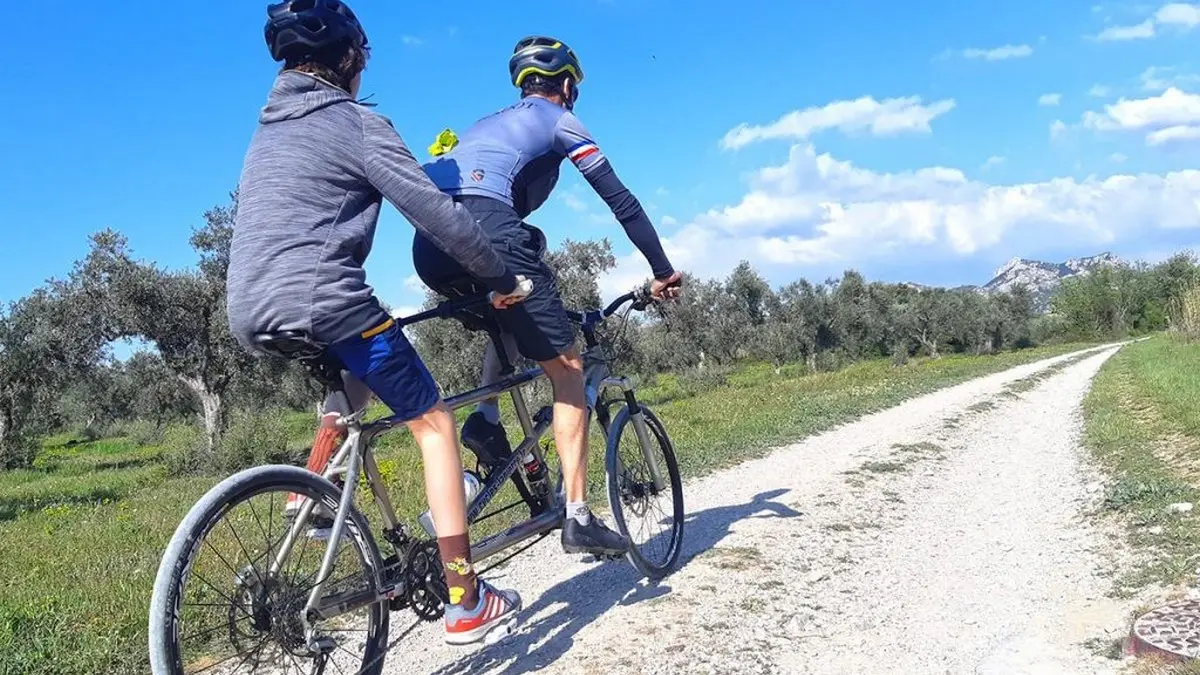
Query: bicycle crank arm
[[518, 533]]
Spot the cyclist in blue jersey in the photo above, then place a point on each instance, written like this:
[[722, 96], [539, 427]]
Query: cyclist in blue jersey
[[503, 168]]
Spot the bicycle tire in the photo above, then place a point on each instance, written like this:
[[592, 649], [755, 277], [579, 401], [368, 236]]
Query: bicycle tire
[[652, 569], [174, 567]]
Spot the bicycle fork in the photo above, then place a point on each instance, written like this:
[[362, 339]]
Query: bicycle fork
[[640, 428]]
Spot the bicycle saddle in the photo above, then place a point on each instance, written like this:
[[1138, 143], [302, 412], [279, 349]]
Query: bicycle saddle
[[288, 344]]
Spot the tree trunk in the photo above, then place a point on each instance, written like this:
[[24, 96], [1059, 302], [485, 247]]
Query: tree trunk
[[4, 440], [211, 409], [928, 343], [811, 360]]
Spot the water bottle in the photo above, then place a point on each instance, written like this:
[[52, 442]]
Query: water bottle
[[471, 486]]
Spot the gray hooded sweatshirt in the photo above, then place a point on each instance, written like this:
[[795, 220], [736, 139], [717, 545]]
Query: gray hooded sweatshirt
[[318, 168]]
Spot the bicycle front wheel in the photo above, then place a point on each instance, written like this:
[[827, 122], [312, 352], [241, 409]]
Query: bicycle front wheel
[[232, 587], [650, 514]]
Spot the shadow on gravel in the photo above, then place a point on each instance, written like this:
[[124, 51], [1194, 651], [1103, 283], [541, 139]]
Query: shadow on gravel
[[585, 597]]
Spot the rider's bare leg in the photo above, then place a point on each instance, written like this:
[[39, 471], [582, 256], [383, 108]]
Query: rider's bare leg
[[436, 435], [570, 421], [581, 531]]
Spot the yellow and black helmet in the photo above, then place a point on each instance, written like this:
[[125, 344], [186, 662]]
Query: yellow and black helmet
[[538, 55]]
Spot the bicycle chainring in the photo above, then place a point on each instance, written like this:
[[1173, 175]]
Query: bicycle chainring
[[427, 592]]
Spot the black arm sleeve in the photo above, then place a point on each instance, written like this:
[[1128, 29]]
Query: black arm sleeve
[[631, 215]]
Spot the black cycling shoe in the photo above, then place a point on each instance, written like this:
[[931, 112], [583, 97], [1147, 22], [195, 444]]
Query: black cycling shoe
[[488, 441], [594, 538]]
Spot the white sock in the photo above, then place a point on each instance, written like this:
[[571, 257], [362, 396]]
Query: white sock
[[491, 412], [580, 512]]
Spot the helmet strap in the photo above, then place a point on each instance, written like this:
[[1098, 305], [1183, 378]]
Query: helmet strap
[[570, 93]]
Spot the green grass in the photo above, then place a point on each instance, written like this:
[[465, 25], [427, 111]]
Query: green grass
[[80, 548], [1142, 421]]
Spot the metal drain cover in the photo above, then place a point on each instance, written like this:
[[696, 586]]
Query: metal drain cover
[[1171, 631]]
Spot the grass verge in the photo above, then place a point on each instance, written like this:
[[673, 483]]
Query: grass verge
[[75, 573], [1142, 421]]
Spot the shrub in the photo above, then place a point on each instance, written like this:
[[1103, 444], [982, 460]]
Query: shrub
[[698, 380], [143, 432], [1185, 313], [140, 432], [254, 439], [185, 451]]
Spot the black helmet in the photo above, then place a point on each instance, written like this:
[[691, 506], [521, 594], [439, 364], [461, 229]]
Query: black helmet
[[299, 28], [545, 56]]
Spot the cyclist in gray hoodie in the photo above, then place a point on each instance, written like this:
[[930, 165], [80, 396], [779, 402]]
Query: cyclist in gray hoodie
[[318, 168]]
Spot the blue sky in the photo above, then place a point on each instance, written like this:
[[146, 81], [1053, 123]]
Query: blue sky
[[926, 141]]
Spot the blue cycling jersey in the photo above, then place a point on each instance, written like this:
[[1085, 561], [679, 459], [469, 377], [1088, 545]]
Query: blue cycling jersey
[[514, 156]]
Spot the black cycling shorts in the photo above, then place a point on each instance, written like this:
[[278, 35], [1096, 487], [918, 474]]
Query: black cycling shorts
[[539, 324]]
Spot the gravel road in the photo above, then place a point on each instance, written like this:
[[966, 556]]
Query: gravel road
[[946, 535]]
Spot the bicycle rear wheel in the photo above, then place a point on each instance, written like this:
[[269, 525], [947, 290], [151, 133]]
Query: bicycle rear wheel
[[224, 602], [651, 517]]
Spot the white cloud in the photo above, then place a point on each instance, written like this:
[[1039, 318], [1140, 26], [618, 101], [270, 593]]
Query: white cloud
[[1099, 91], [1117, 158], [573, 202], [669, 221], [413, 284], [1139, 31], [1158, 78], [1049, 99], [662, 192], [999, 53], [411, 40], [881, 118], [994, 160], [1176, 134], [1171, 116], [1057, 128], [1177, 15], [822, 213]]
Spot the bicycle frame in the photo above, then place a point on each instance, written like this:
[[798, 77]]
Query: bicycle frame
[[356, 455]]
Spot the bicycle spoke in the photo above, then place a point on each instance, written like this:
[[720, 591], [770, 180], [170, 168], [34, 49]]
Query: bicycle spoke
[[266, 537], [256, 651], [299, 559], [206, 631], [218, 553], [293, 658], [252, 652], [241, 546], [218, 591], [224, 660]]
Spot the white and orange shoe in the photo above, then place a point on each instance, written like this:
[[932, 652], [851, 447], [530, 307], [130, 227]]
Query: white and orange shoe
[[493, 619]]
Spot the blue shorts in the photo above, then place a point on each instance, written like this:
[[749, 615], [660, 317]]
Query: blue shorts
[[386, 362]]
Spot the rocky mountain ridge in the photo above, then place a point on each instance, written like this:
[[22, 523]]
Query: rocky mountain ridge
[[1043, 278], [1040, 277]]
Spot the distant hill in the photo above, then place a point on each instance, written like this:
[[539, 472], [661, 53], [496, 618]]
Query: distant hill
[[1040, 277], [1043, 278]]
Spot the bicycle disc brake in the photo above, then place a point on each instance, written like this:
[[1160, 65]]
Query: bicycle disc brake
[[427, 592]]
